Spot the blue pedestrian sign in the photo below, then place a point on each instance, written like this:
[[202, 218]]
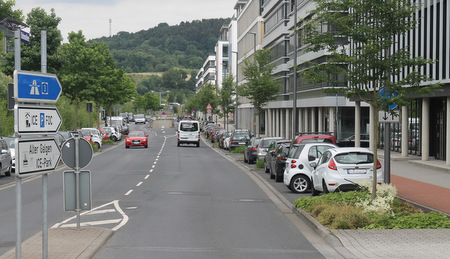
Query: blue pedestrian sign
[[36, 87]]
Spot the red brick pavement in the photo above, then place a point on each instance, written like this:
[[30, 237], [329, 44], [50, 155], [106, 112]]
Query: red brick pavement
[[430, 195]]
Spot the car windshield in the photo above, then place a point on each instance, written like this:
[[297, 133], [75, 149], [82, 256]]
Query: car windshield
[[266, 143], [295, 151], [139, 116], [189, 126], [239, 137], [10, 143], [136, 134], [354, 158], [85, 133], [316, 140]]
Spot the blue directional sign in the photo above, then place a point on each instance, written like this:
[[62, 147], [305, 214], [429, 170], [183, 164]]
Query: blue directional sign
[[36, 87]]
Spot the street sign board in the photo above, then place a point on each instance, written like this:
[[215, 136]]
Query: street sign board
[[84, 153], [70, 191], [36, 156], [36, 87], [24, 37], [384, 116], [37, 119]]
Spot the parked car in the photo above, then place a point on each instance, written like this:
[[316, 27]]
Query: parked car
[[96, 137], [5, 158], [313, 138], [239, 138], [340, 169], [188, 132], [350, 141], [250, 151], [86, 134], [297, 174], [103, 134], [136, 139], [263, 146], [226, 141], [11, 142], [279, 162], [225, 134], [139, 118], [215, 132], [270, 155], [113, 133]]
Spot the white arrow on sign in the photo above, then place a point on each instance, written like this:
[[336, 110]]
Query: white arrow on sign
[[36, 156], [37, 119]]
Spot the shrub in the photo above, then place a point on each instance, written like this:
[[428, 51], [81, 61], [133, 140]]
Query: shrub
[[260, 163], [238, 150]]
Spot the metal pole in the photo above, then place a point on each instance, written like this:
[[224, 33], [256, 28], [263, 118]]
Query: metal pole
[[294, 101], [17, 64], [44, 176], [77, 180], [254, 59], [387, 152]]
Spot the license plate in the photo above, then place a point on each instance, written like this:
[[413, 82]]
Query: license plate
[[356, 171], [241, 143], [136, 142]]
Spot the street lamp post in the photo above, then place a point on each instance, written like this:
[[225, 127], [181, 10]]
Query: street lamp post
[[160, 95], [254, 59], [237, 98]]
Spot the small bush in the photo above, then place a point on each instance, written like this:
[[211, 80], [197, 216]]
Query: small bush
[[238, 150], [109, 141], [260, 163]]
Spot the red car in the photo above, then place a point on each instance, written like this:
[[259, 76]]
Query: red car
[[136, 138], [86, 134], [104, 135]]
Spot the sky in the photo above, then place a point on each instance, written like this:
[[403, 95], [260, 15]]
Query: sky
[[92, 16]]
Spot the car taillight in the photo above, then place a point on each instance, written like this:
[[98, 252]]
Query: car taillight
[[378, 164], [253, 149], [293, 165], [332, 165], [294, 161]]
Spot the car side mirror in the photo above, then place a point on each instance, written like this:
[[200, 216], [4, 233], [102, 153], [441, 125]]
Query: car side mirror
[[146, 136], [313, 165]]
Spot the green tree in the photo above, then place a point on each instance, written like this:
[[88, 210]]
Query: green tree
[[6, 116], [38, 19], [260, 87], [7, 11], [207, 95], [226, 94], [151, 101], [366, 67], [76, 69]]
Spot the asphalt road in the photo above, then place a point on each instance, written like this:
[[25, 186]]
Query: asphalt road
[[168, 202]]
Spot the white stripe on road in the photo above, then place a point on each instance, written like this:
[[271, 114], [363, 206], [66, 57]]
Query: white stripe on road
[[128, 193], [146, 177], [139, 184], [93, 223]]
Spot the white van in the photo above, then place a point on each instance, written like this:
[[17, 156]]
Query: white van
[[188, 132]]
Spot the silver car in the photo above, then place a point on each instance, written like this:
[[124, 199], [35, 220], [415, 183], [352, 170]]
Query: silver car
[[5, 158]]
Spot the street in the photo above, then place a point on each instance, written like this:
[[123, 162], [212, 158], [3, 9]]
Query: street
[[168, 201]]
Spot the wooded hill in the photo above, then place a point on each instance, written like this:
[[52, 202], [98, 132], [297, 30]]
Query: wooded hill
[[163, 47]]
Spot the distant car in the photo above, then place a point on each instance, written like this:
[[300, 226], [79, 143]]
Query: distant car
[[103, 134], [313, 138], [136, 139], [270, 155], [113, 133], [96, 137], [297, 174], [239, 138], [341, 169], [279, 162], [86, 134], [11, 142], [250, 151], [263, 146], [188, 132], [350, 141], [226, 141], [5, 158], [139, 118], [222, 138]]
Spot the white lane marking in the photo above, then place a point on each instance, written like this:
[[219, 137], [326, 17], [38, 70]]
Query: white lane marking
[[146, 177], [93, 223], [124, 216], [151, 170], [155, 162], [139, 184], [153, 166], [102, 211], [156, 158], [128, 193]]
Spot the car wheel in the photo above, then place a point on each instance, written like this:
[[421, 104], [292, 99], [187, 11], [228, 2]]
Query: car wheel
[[146, 146], [178, 144], [266, 170], [271, 174], [198, 144], [324, 187], [314, 192], [8, 173], [114, 138], [299, 184], [97, 145], [127, 146], [278, 178], [245, 159]]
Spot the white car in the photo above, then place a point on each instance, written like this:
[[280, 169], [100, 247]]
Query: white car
[[139, 118], [96, 137], [114, 135], [298, 170], [341, 169]]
